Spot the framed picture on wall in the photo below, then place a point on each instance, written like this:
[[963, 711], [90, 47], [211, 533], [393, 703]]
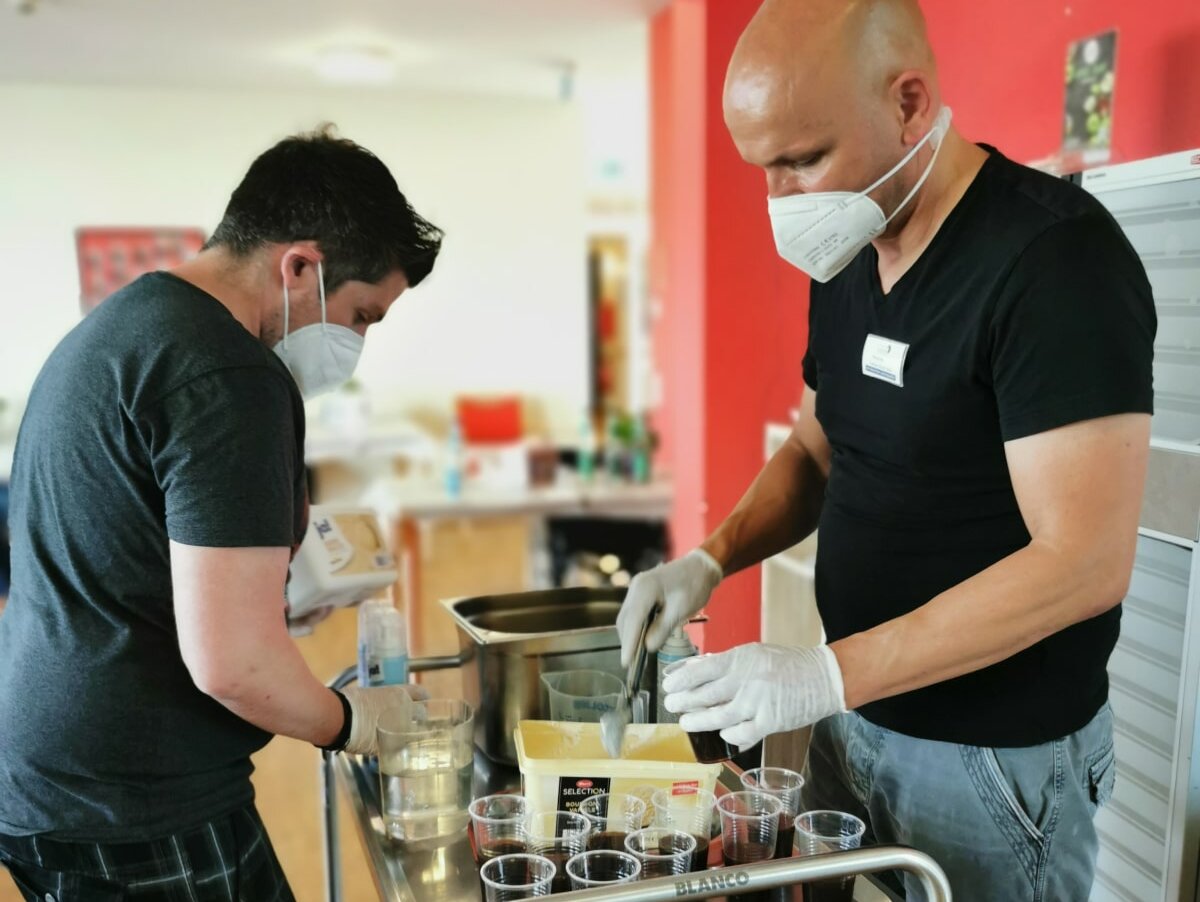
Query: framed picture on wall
[[112, 257], [1091, 78]]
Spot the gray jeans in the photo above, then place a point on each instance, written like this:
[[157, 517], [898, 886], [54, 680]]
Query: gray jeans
[[1006, 824]]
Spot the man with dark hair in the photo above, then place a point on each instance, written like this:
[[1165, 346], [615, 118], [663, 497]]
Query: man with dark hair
[[157, 494]]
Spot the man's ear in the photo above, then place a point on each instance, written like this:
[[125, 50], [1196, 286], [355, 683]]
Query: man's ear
[[914, 104], [294, 260]]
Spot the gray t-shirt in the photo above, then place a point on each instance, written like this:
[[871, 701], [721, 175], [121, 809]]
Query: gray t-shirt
[[158, 417]]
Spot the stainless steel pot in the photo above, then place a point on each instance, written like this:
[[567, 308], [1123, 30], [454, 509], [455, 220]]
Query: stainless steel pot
[[508, 641]]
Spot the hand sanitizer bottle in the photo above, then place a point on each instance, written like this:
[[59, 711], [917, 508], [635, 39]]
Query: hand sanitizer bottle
[[678, 646]]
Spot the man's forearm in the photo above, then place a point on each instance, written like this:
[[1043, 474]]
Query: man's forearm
[[1006, 608], [229, 612], [272, 688], [780, 508]]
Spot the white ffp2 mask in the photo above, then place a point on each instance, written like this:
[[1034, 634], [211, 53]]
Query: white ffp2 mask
[[320, 356], [821, 233]]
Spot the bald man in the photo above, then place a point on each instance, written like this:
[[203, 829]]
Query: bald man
[[972, 446]]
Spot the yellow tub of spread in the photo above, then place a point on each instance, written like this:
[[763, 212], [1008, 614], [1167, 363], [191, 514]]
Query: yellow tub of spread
[[564, 763]]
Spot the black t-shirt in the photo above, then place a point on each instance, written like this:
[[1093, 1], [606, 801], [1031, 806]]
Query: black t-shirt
[[158, 417], [1028, 311]]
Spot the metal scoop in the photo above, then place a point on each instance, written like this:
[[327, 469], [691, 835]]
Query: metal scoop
[[613, 723]]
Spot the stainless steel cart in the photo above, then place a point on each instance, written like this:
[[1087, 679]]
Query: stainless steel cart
[[447, 872]]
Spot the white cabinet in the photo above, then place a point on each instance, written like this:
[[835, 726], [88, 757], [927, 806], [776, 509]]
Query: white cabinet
[[1150, 831]]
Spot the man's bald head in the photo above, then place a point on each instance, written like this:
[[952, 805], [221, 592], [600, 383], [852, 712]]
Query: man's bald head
[[811, 76]]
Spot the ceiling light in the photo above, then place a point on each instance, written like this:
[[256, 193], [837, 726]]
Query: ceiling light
[[356, 65]]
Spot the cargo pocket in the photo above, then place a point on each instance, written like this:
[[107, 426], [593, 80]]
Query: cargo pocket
[[1101, 776]]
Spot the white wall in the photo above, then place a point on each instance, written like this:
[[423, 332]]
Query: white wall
[[505, 310]]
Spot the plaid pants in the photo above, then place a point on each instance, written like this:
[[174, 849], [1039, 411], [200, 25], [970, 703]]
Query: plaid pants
[[228, 859]]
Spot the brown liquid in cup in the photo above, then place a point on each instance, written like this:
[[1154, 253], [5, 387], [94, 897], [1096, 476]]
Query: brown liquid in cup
[[610, 871], [750, 853], [560, 857], [497, 848], [787, 837], [710, 748], [840, 890], [512, 872], [611, 840], [665, 867]]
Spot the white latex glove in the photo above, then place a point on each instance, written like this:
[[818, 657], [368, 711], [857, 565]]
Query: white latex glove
[[678, 590], [368, 705], [752, 691]]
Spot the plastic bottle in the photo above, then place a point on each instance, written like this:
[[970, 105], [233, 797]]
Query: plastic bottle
[[454, 460], [382, 645], [641, 451], [586, 461], [677, 647], [612, 446]]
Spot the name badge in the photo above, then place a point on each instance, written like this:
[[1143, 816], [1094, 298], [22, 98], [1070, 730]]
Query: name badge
[[883, 358]]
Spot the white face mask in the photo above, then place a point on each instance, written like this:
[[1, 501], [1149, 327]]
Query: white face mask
[[821, 233], [321, 356]]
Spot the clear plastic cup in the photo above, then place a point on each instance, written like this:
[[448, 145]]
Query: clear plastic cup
[[749, 826], [818, 832], [558, 836], [582, 696], [513, 877], [498, 822], [602, 867], [426, 761], [785, 785], [613, 816], [661, 852], [693, 812]]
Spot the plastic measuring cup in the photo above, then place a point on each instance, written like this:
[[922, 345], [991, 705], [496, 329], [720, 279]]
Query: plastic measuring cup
[[426, 760], [582, 696]]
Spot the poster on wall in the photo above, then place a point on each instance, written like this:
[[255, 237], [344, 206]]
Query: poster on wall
[[110, 258], [1088, 114]]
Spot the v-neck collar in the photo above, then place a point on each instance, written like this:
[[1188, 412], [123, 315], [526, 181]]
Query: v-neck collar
[[944, 234]]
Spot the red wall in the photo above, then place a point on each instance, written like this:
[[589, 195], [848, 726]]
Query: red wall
[[732, 326], [1001, 65], [676, 276], [733, 322], [757, 327]]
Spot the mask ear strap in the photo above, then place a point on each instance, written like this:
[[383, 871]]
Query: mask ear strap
[[939, 127], [286, 304], [937, 149], [321, 289]]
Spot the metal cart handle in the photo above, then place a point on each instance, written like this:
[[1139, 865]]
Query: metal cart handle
[[733, 881], [726, 881]]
